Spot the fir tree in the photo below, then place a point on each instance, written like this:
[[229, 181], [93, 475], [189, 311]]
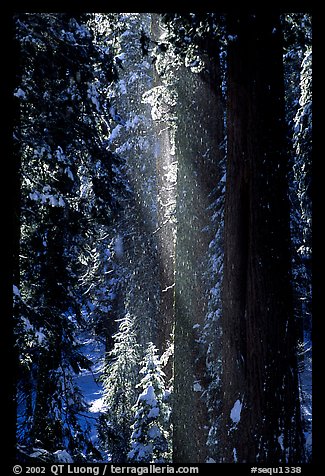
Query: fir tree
[[61, 152], [150, 439], [119, 378]]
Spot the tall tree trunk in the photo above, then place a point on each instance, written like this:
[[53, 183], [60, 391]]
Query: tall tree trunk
[[166, 196], [260, 419], [198, 139]]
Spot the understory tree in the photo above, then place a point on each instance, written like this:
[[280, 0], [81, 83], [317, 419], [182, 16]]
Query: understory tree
[[119, 378], [60, 152], [151, 439]]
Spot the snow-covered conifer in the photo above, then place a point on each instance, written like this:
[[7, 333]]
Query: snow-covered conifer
[[120, 375], [150, 439]]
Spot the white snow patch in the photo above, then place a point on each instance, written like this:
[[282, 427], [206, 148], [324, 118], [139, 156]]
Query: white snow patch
[[167, 393], [136, 434], [154, 432], [20, 94], [115, 132], [210, 460], [62, 456], [133, 77], [146, 65], [143, 143], [171, 175], [235, 411], [53, 201], [98, 406], [92, 94], [121, 56], [132, 123], [118, 246], [43, 197], [27, 324], [197, 387], [88, 383], [61, 202], [16, 291], [40, 336], [122, 86], [142, 451], [37, 452], [154, 412], [196, 326], [126, 146], [280, 441], [60, 154], [34, 196], [148, 395]]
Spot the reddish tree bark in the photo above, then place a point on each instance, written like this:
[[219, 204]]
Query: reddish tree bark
[[258, 327]]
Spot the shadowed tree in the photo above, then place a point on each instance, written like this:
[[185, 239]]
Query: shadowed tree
[[260, 418], [199, 134]]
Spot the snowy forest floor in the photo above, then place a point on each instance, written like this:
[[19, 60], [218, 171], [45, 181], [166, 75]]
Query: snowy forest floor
[[88, 382], [93, 348]]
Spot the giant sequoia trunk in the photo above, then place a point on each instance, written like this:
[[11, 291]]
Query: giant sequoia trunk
[[198, 139], [260, 419]]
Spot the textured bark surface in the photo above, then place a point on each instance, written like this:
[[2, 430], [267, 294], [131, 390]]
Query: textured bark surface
[[259, 332], [198, 139], [165, 233]]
